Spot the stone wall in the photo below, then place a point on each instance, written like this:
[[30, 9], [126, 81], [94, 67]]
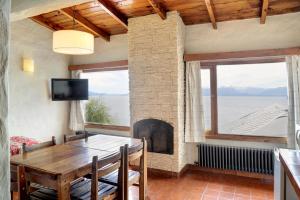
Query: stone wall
[[4, 142], [156, 49]]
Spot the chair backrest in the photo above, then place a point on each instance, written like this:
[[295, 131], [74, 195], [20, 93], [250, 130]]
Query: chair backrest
[[137, 151], [34, 147], [131, 154], [68, 138], [13, 168], [105, 166]]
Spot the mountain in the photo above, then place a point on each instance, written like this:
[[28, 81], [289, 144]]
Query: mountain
[[91, 93], [250, 91], [227, 91]]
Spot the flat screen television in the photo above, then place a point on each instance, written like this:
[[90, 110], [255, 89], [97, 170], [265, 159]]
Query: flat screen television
[[69, 89]]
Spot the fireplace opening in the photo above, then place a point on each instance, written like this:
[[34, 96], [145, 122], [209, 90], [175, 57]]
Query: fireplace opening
[[159, 135]]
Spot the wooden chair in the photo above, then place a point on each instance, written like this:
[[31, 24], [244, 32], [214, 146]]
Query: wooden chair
[[13, 168], [13, 180], [132, 177], [68, 138], [35, 147], [84, 189]]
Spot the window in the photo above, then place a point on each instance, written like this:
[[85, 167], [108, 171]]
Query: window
[[248, 99], [108, 102]]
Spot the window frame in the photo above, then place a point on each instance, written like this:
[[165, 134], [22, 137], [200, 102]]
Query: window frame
[[110, 127], [214, 133]]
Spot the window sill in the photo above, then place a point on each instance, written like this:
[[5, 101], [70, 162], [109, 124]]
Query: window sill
[[266, 139], [107, 127]]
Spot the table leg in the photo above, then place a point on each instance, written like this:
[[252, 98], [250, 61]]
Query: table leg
[[63, 189]]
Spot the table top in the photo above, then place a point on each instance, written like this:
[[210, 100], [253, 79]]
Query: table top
[[68, 157], [105, 142], [290, 160]]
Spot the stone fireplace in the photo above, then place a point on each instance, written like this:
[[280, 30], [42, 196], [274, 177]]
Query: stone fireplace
[[159, 135], [156, 67]]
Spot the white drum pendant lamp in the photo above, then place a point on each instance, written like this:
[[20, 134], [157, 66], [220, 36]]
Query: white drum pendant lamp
[[73, 42]]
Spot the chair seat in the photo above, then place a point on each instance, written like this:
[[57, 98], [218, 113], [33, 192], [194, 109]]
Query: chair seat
[[80, 190], [112, 178]]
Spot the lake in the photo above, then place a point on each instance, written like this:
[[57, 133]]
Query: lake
[[231, 110]]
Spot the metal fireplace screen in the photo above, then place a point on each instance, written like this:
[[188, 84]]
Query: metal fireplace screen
[[159, 135]]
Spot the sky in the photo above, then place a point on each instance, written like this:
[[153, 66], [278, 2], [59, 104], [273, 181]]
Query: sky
[[266, 75], [109, 82]]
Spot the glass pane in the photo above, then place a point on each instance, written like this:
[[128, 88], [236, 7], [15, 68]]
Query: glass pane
[[205, 80], [252, 99], [108, 98]]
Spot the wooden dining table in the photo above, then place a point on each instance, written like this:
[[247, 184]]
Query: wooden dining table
[[57, 166]]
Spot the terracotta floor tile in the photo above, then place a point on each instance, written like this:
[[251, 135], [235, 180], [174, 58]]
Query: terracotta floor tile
[[209, 198], [243, 191], [205, 186], [212, 193], [258, 198], [227, 188], [226, 195], [195, 195], [214, 186], [241, 197]]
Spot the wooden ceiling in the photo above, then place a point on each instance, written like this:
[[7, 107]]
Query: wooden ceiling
[[109, 17]]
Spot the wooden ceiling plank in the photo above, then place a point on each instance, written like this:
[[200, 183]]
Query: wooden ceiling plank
[[158, 9], [46, 23], [85, 23], [112, 11], [264, 11], [209, 6]]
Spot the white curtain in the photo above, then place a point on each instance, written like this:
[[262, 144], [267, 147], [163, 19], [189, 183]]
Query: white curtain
[[77, 119], [293, 69], [194, 114]]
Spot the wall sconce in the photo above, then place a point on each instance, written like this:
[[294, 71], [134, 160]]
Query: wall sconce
[[28, 65]]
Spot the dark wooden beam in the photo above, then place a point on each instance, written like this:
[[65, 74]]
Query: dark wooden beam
[[242, 54], [113, 65], [210, 9], [158, 8], [264, 11], [46, 23], [85, 23], [112, 11]]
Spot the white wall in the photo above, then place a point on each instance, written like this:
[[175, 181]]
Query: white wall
[[31, 111], [115, 49], [279, 32]]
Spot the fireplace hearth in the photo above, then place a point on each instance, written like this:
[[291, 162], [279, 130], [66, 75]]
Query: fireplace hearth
[[159, 135]]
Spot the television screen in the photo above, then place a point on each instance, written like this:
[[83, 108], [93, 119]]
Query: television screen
[[69, 89]]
